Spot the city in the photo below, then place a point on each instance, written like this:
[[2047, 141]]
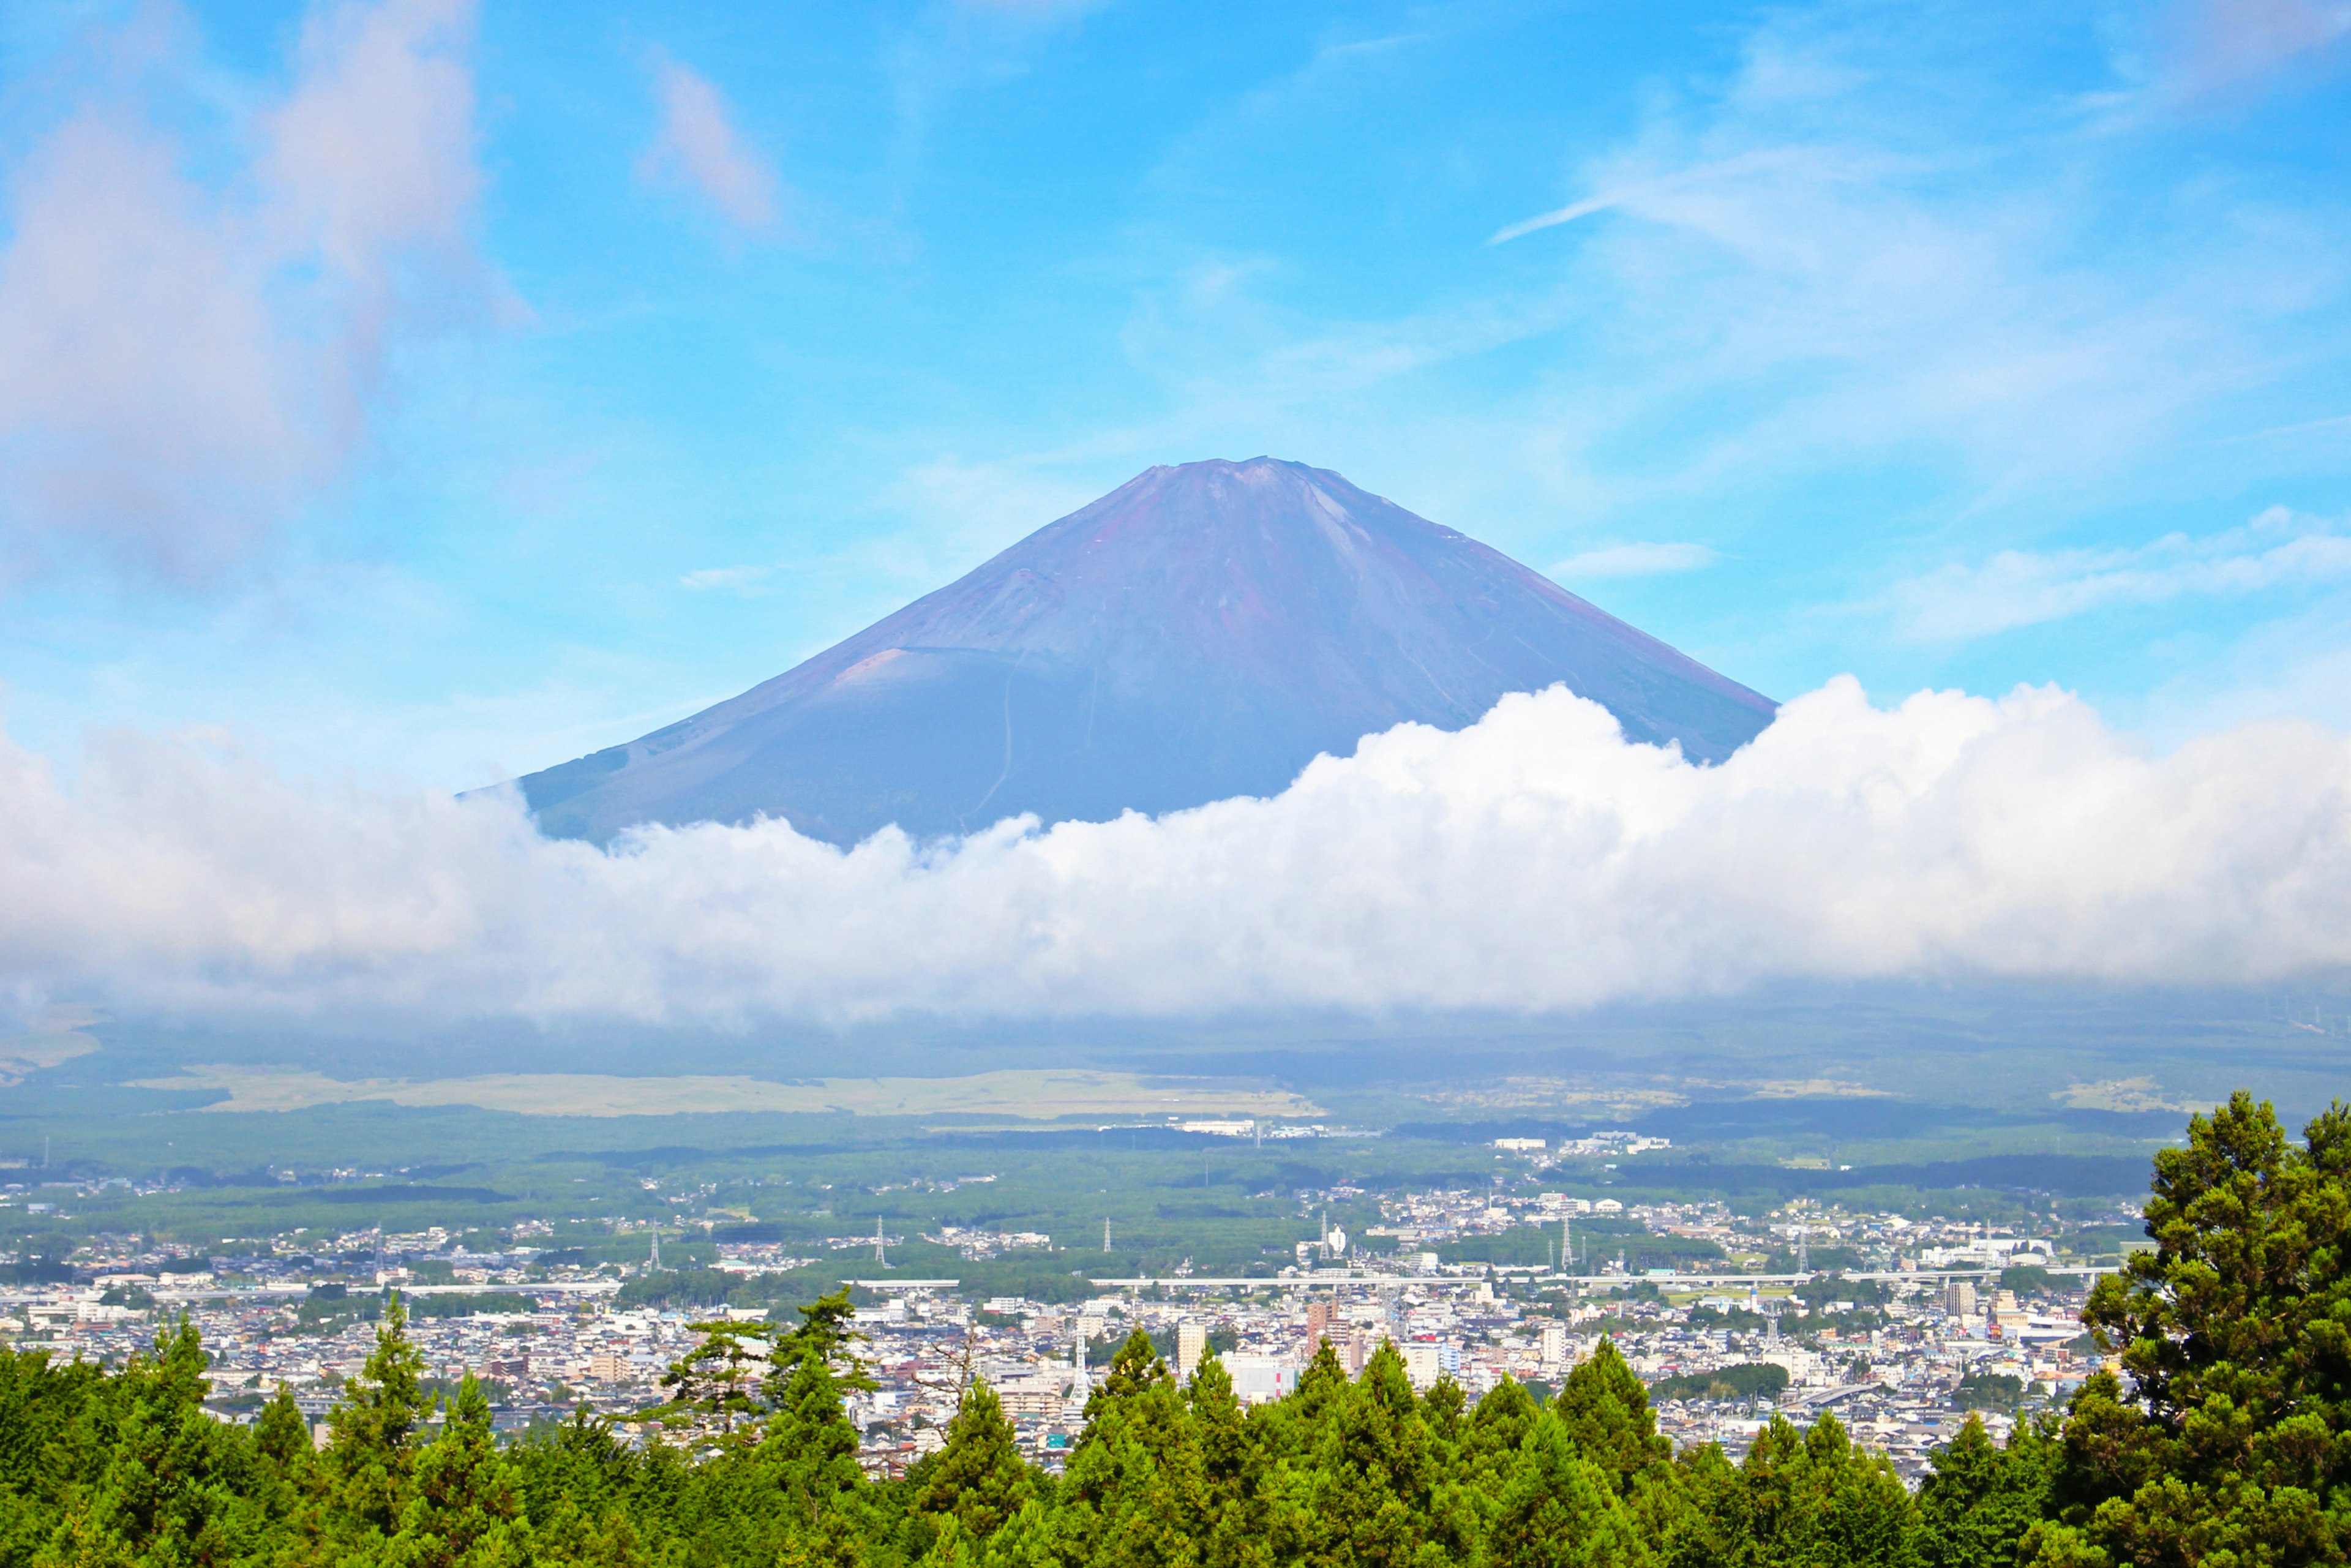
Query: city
[[1905, 1326]]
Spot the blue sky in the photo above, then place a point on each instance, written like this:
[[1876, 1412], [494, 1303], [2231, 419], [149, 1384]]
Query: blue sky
[[436, 393]]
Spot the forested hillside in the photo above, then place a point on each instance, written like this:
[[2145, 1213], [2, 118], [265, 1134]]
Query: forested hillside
[[2226, 1442]]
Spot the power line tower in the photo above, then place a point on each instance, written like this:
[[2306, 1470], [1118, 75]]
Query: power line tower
[[1105, 1232], [656, 1263], [880, 1255]]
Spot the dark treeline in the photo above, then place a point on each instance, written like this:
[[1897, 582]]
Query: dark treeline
[[2226, 1443]]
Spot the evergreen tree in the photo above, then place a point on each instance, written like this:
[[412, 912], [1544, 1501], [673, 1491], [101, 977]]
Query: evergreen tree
[[371, 1435], [718, 1381], [1134, 1367], [282, 1437], [177, 1486], [1980, 1501], [576, 1484], [1606, 1409], [1227, 1459], [2235, 1445], [1375, 1471], [809, 1439], [1812, 1500], [1558, 1509], [464, 1511], [979, 1479]]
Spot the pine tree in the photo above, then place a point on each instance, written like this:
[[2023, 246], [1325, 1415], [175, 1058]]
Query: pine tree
[[809, 1437], [2236, 1331], [718, 1381]]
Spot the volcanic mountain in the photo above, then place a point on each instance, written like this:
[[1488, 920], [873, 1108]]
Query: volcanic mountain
[[1201, 632]]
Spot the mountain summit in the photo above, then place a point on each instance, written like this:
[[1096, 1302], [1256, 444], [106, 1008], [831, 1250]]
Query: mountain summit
[[1201, 632]]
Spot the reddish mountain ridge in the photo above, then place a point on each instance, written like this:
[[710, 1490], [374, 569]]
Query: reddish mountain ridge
[[1199, 632]]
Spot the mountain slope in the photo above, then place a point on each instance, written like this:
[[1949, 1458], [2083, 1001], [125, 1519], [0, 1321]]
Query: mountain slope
[[1199, 632]]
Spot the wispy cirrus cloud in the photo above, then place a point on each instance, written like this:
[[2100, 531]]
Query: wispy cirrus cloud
[[1641, 191], [1634, 560], [1869, 253], [737, 579], [699, 146], [2027, 588]]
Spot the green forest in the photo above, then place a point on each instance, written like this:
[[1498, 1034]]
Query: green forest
[[2219, 1435]]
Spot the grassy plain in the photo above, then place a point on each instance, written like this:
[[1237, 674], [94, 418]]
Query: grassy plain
[[1031, 1094]]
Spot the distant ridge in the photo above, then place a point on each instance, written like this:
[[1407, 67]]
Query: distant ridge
[[1199, 632]]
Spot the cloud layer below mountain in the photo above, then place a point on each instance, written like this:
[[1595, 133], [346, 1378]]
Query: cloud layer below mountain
[[1533, 861]]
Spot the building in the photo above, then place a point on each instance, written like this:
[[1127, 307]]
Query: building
[[1191, 1346], [1031, 1398], [1960, 1297], [1554, 1344], [1261, 1379], [1318, 1325]]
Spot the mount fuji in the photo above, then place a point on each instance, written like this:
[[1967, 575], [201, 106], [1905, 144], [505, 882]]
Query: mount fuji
[[1199, 632]]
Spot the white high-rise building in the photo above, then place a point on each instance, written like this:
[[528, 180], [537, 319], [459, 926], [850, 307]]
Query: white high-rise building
[[1191, 1346]]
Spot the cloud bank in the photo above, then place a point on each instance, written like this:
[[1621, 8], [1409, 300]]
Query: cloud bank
[[1533, 861]]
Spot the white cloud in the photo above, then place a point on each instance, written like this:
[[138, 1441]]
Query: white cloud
[[2226, 44], [1534, 861], [180, 365], [739, 579], [1634, 560], [2026, 588], [699, 144]]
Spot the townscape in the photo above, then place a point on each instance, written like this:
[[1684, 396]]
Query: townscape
[[1905, 1325]]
